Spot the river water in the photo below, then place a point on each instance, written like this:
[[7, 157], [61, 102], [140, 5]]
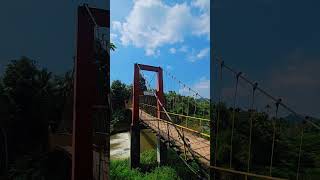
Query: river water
[[120, 143]]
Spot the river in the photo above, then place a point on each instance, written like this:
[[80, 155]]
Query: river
[[120, 143]]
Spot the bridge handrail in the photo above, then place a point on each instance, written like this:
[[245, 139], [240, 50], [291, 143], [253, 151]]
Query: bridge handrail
[[192, 117], [245, 173], [183, 127]]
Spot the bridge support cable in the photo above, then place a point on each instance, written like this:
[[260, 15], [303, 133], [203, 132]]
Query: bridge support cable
[[300, 147], [195, 106], [218, 115], [180, 135], [184, 85], [254, 87], [192, 104], [188, 108], [233, 116], [274, 135], [282, 104], [292, 138]]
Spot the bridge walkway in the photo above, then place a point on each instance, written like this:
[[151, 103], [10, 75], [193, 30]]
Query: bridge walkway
[[199, 145]]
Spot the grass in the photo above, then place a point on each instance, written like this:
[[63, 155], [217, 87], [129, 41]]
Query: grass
[[175, 169]]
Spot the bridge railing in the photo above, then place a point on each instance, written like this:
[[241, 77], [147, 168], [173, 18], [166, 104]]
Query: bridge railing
[[258, 134], [189, 123]]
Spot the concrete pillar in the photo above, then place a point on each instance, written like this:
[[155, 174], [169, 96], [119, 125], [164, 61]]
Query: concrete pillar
[[162, 151]]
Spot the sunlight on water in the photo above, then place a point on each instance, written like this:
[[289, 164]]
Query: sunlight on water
[[120, 143]]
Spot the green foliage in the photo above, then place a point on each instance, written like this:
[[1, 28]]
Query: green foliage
[[175, 168], [31, 98], [143, 86], [26, 92], [112, 46], [287, 142], [162, 173], [186, 105], [121, 117], [121, 120], [120, 92]]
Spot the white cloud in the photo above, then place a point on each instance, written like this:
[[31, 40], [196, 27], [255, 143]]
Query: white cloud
[[202, 87], [169, 67], [195, 56], [202, 25], [153, 23], [204, 5], [203, 53], [113, 37], [183, 48], [172, 50], [116, 25]]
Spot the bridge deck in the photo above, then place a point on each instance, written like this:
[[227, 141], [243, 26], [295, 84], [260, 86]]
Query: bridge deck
[[200, 146]]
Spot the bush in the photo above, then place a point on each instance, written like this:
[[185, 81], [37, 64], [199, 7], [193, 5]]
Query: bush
[[119, 169]]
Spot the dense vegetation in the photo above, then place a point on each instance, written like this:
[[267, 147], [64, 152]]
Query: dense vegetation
[[175, 103], [175, 169], [31, 99], [286, 148], [34, 101]]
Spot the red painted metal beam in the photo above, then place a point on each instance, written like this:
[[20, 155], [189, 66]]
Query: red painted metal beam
[[135, 129], [149, 68], [137, 89], [85, 92], [136, 93], [160, 92], [102, 17]]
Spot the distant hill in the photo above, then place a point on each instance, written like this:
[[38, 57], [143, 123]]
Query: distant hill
[[204, 99]]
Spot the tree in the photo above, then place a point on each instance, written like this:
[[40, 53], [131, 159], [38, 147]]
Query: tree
[[142, 83], [112, 46], [27, 90], [119, 94]]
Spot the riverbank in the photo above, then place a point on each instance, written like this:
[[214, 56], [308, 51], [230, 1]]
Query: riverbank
[[121, 121], [120, 143], [175, 169]]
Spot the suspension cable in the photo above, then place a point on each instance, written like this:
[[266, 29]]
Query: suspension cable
[[221, 62], [90, 14], [195, 106], [194, 91], [300, 148], [274, 135], [218, 113], [233, 116], [254, 87]]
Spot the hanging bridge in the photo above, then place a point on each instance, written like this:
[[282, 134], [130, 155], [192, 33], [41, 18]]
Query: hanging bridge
[[242, 133], [253, 134]]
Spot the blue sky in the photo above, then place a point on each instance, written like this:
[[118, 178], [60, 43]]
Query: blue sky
[[172, 34], [45, 31], [275, 43]]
